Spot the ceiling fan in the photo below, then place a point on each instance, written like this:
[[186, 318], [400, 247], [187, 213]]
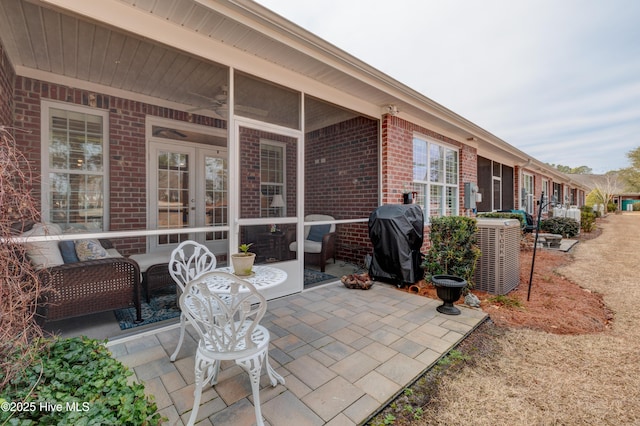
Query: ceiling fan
[[219, 105], [167, 132]]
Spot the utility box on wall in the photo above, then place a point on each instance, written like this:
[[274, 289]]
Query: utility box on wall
[[470, 191], [498, 267]]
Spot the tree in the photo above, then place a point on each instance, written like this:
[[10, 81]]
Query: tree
[[604, 188], [631, 175], [580, 170]]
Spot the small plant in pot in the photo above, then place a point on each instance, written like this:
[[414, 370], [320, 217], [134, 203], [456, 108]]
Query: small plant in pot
[[242, 262], [450, 262]]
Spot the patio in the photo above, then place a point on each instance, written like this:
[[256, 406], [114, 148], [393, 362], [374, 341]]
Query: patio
[[343, 353]]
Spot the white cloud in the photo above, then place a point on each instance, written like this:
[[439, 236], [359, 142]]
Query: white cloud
[[557, 79]]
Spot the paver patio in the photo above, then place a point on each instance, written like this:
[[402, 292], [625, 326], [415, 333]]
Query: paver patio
[[343, 353]]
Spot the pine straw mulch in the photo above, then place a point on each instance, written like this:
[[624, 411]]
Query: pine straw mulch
[[556, 304], [568, 356]]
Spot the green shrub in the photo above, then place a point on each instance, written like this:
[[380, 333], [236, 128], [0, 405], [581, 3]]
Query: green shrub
[[636, 207], [587, 220], [453, 249], [611, 207], [565, 226], [76, 381]]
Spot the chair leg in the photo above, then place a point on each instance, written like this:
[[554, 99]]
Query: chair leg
[[253, 366], [212, 373], [274, 377], [180, 340], [200, 367]]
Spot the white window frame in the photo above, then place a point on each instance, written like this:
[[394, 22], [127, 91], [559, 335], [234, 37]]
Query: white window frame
[[528, 185], [496, 179], [46, 107], [282, 185], [545, 189], [425, 187]]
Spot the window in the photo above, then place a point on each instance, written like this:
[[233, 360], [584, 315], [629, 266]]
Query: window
[[74, 166], [545, 190], [435, 177], [497, 186], [272, 179], [527, 193]]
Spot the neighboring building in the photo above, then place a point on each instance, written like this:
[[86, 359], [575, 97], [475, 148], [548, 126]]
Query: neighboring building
[[223, 118], [611, 184]]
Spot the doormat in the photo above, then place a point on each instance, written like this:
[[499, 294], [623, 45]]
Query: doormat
[[313, 278], [162, 306]]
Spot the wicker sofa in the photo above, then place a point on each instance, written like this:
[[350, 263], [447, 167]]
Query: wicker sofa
[[84, 287]]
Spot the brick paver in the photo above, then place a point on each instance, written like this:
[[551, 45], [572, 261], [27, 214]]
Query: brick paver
[[343, 353]]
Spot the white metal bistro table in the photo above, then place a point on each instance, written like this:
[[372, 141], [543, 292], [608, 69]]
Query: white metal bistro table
[[262, 278]]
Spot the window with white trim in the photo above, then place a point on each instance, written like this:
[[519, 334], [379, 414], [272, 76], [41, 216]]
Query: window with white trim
[[74, 166], [272, 179], [547, 196], [435, 177], [527, 192]]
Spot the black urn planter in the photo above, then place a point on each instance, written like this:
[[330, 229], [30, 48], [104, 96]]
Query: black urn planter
[[449, 289]]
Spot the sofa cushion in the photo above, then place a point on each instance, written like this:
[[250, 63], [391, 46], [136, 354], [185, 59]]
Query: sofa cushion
[[317, 232], [113, 253], [145, 260], [312, 246], [68, 251], [90, 249], [43, 254]]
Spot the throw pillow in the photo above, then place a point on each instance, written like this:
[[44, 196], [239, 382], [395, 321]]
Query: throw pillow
[[68, 251], [44, 254], [90, 250], [316, 232]]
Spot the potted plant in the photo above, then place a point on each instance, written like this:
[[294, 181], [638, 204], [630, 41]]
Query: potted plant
[[242, 262], [450, 262]]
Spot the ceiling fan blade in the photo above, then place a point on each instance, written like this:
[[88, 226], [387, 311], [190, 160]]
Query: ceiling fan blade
[[161, 130]]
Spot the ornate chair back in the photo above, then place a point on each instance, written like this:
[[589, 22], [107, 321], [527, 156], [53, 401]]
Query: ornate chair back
[[189, 260], [225, 317]]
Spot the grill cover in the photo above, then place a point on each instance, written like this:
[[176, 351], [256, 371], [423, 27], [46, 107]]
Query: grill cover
[[397, 233]]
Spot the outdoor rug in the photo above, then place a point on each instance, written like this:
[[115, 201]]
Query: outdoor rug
[[313, 278], [163, 306]]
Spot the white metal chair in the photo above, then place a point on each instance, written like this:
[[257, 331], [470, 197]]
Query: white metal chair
[[227, 321], [188, 261]]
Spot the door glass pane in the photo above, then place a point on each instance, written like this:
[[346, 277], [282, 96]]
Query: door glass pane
[[173, 194], [216, 190]]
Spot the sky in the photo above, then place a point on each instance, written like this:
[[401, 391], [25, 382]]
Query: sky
[[557, 79]]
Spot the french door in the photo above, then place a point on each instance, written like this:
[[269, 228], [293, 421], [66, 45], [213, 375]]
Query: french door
[[188, 188]]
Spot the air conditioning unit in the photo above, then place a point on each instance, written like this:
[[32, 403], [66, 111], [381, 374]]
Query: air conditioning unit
[[498, 268]]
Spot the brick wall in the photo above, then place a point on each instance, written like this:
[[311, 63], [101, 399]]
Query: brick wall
[[397, 160], [127, 155], [341, 180]]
